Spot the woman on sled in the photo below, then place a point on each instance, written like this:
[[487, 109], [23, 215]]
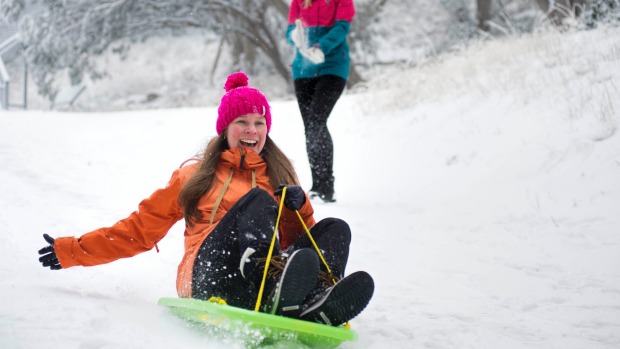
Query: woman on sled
[[229, 200]]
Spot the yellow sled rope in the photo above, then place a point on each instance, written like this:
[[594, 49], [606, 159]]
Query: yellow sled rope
[[271, 246], [268, 261]]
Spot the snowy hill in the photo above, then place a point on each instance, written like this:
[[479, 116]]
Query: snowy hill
[[482, 190]]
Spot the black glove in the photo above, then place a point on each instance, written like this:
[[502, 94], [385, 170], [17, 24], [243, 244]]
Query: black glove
[[295, 197], [49, 258]]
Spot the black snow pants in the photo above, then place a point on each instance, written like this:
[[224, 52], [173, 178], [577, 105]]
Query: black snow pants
[[250, 223]]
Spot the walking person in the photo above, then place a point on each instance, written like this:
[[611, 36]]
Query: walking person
[[318, 29], [228, 200]]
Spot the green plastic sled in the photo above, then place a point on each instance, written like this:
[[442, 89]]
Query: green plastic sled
[[262, 327]]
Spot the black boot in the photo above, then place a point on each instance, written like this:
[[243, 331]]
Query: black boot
[[341, 302], [323, 189], [298, 279]]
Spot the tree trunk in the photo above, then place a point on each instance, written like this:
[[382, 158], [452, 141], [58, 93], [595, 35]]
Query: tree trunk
[[354, 76], [543, 4], [483, 13], [281, 6]]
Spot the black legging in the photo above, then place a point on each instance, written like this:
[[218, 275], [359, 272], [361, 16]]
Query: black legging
[[333, 237], [316, 98], [250, 223]]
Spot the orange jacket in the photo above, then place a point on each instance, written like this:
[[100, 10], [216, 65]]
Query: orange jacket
[[156, 215]]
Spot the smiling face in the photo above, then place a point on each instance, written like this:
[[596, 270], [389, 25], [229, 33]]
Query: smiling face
[[247, 131]]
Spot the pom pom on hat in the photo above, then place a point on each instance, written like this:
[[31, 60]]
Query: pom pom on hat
[[240, 99], [234, 80]]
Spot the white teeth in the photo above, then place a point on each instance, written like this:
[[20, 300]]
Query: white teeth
[[249, 141]]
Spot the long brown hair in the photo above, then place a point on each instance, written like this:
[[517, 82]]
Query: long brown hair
[[279, 169]]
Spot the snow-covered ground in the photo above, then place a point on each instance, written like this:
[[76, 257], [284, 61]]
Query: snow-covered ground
[[483, 190]]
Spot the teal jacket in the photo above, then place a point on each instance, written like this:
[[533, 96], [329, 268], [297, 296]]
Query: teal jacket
[[327, 24]]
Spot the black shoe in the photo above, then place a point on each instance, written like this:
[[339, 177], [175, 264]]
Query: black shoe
[[299, 277], [341, 302], [327, 198], [322, 189]]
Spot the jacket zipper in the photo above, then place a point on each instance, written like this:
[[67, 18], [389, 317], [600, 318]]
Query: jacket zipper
[[242, 162]]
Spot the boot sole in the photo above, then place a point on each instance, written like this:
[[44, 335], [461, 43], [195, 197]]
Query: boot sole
[[345, 300], [298, 279]]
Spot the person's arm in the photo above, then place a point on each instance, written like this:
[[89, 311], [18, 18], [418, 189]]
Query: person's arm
[[293, 14], [290, 228], [336, 36], [133, 235], [342, 25]]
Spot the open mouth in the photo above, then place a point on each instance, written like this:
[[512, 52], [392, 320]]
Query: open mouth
[[248, 143]]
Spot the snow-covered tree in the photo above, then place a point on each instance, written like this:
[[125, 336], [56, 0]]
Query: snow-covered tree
[[558, 10], [602, 10], [69, 34], [11, 9]]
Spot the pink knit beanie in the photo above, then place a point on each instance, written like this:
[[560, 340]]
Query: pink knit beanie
[[240, 99]]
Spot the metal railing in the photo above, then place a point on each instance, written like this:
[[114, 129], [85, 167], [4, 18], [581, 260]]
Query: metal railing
[[10, 45], [4, 86]]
